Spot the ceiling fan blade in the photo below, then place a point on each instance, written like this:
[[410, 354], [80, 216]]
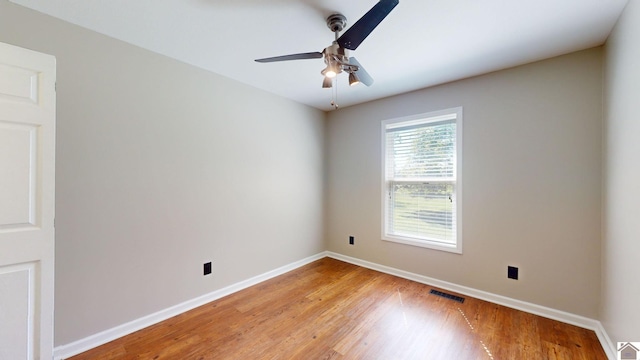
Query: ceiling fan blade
[[356, 34], [363, 75], [302, 56]]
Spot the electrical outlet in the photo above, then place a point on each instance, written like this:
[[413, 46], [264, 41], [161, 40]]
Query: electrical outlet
[[512, 272], [352, 240], [207, 268]]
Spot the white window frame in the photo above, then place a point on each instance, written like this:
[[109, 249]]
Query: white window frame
[[434, 116]]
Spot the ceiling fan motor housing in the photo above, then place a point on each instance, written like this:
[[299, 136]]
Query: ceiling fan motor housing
[[335, 50], [337, 58]]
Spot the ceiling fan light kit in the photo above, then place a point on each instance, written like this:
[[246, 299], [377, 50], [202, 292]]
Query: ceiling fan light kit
[[336, 55], [327, 83], [353, 79]]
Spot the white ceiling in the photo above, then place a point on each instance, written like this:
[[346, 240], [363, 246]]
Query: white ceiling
[[420, 44]]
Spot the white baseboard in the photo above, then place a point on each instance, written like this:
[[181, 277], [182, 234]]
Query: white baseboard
[[609, 347], [543, 311], [90, 342], [77, 347]]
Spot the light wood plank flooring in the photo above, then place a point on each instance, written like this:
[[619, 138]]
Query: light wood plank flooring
[[333, 310]]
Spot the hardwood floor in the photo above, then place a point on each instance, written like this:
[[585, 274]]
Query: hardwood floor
[[333, 310]]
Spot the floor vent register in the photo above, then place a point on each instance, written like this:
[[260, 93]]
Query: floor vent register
[[448, 296]]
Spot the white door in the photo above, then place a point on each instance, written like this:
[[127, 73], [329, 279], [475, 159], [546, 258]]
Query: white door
[[27, 145]]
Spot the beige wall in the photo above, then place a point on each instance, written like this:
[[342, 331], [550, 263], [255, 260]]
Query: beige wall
[[162, 166], [531, 178], [621, 223]]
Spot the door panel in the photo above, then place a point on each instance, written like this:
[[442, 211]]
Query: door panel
[[16, 314], [19, 84], [18, 172]]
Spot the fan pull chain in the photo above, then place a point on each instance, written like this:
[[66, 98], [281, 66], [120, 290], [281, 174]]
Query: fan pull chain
[[334, 93]]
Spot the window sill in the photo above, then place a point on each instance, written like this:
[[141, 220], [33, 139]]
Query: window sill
[[453, 248]]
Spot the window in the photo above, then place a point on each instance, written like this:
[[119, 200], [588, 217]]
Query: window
[[421, 187]]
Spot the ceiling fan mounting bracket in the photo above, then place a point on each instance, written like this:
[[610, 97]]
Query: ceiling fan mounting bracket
[[336, 22]]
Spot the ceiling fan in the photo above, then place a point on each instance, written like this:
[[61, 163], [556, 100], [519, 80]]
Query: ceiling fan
[[336, 55]]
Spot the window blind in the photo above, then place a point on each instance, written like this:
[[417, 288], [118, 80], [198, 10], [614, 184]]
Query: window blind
[[420, 180]]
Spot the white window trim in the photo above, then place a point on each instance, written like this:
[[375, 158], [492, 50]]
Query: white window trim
[[433, 116]]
